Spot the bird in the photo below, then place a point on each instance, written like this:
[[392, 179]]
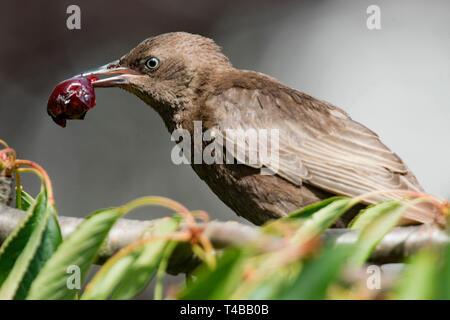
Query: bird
[[322, 151]]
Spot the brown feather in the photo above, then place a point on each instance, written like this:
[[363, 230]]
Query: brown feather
[[320, 144]]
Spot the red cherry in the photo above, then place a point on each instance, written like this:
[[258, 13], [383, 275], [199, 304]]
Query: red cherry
[[71, 99]]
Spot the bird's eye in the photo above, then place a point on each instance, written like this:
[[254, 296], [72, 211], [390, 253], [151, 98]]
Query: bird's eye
[[152, 63]]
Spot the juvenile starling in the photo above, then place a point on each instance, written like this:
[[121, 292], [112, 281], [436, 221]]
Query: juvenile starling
[[322, 151]]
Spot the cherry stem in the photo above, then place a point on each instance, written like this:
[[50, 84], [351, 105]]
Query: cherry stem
[[18, 189], [42, 173], [196, 233], [161, 201], [2, 142], [210, 257], [202, 215]]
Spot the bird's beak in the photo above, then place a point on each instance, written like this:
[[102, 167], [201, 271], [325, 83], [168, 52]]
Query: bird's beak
[[123, 77]]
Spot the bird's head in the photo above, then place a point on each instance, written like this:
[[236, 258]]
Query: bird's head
[[165, 71]]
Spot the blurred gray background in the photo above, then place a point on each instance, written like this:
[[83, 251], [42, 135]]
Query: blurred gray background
[[395, 80]]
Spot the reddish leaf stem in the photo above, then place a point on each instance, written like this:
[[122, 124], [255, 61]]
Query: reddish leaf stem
[[45, 177]]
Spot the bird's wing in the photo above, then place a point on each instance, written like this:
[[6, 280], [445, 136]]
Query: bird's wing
[[319, 143]]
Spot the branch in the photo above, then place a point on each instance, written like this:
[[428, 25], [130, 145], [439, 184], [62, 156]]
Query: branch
[[395, 246]]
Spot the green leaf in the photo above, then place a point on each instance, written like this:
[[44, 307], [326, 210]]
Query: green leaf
[[26, 201], [268, 288], [379, 220], [162, 268], [312, 219], [78, 250], [220, 283], [51, 239], [19, 249], [127, 273], [444, 284], [367, 215], [308, 211], [313, 281], [420, 277], [322, 219]]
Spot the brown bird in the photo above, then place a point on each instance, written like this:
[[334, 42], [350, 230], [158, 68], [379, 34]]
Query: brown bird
[[322, 151]]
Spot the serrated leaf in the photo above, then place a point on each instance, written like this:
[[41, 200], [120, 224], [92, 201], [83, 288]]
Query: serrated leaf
[[316, 276], [18, 251], [419, 280], [314, 220], [79, 250], [219, 283], [269, 286], [51, 239], [25, 202], [297, 218], [322, 219], [130, 270], [308, 211], [379, 221], [367, 215]]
